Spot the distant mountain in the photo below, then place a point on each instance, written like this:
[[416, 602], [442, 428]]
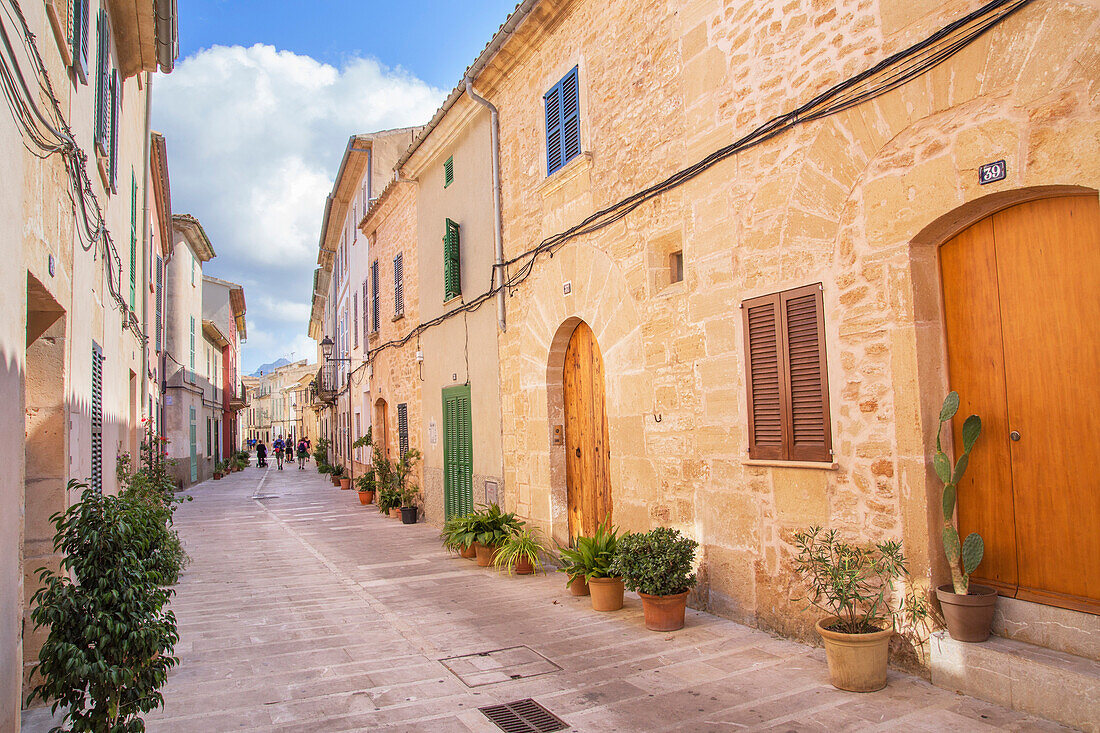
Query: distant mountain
[[265, 368]]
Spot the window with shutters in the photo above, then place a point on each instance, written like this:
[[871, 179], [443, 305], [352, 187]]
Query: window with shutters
[[403, 428], [116, 103], [79, 39], [102, 83], [786, 378], [159, 298], [398, 286], [355, 319], [374, 297], [133, 239], [449, 171], [366, 307], [192, 377], [563, 122], [452, 270], [96, 479]]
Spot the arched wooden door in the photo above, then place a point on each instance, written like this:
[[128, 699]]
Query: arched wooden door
[[587, 449], [380, 433], [1022, 307]]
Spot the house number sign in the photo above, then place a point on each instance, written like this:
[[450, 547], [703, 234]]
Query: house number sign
[[991, 172]]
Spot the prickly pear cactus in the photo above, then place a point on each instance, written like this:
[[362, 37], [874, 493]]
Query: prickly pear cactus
[[963, 557]]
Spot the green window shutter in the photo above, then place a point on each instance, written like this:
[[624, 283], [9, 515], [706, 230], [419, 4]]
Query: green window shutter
[[79, 39], [114, 115], [449, 171], [452, 271], [192, 380], [458, 467], [102, 90], [403, 428], [96, 479], [133, 239]]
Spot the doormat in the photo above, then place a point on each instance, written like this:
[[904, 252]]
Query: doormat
[[499, 665], [523, 716]]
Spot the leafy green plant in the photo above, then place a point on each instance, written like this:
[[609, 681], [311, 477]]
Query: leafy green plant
[[320, 452], [388, 498], [456, 535], [590, 557], [409, 495], [526, 544], [110, 638], [366, 481], [659, 562], [363, 440], [848, 581], [324, 468], [336, 471], [383, 470], [491, 526], [962, 557]]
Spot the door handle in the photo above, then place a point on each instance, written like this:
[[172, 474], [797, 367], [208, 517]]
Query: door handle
[[1015, 435], [578, 452]]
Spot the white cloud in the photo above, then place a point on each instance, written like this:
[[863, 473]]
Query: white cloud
[[255, 136]]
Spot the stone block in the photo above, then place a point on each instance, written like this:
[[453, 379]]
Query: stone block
[[801, 496]]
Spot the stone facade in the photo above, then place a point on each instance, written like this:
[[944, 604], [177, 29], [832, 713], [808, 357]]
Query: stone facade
[[857, 201]]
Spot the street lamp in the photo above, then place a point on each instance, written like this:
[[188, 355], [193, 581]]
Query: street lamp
[[327, 345]]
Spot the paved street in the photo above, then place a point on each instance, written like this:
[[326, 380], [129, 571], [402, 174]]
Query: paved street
[[304, 611]]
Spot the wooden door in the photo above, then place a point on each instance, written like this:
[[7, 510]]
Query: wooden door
[[380, 433], [458, 445], [1022, 303], [587, 448]]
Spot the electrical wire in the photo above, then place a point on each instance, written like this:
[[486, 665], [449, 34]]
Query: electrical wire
[[887, 75]]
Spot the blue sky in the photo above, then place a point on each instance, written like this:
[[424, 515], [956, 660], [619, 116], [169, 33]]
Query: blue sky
[[258, 111]]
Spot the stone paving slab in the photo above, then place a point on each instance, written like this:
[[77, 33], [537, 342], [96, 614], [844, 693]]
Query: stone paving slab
[[306, 611]]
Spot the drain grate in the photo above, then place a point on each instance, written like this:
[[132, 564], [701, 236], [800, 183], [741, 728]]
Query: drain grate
[[523, 716], [499, 665]]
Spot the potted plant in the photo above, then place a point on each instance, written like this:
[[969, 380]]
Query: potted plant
[[409, 494], [389, 501], [967, 609], [522, 552], [491, 527], [219, 468], [659, 566], [409, 510], [458, 537], [365, 486], [588, 565], [850, 583], [338, 477]]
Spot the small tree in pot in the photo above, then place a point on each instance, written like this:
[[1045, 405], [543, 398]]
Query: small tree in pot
[[852, 584], [968, 609], [660, 566], [588, 565], [365, 485]]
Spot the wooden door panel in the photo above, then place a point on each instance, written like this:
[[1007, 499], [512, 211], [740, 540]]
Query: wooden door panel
[[1048, 264], [976, 371], [587, 455]]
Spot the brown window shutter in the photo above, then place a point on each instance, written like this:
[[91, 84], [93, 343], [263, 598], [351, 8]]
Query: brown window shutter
[[765, 377], [807, 387]]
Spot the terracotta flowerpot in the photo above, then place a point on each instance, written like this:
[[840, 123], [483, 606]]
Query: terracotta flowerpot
[[345, 484], [968, 617], [485, 554], [217, 477], [335, 481], [470, 553], [366, 497], [607, 593], [578, 586], [664, 613], [523, 566], [857, 662], [395, 512]]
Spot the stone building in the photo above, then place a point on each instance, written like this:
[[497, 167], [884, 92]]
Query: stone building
[[276, 403], [75, 205]]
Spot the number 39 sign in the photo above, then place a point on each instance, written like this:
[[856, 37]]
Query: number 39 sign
[[991, 172]]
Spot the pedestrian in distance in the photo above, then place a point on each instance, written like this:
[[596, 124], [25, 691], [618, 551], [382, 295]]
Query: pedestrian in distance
[[261, 454], [279, 446], [303, 454]]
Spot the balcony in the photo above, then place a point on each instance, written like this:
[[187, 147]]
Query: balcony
[[238, 397], [326, 384]]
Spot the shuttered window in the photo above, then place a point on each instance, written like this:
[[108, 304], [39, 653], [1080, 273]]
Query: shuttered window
[[116, 103], [96, 479], [403, 428], [563, 122], [355, 318], [159, 298], [452, 269], [374, 297], [366, 308], [449, 171], [102, 82], [192, 378], [79, 39], [458, 466], [398, 285], [133, 239], [787, 381]]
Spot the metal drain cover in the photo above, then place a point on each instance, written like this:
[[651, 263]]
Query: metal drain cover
[[523, 716], [499, 665]]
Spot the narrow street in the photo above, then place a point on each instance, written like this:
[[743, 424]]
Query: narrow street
[[304, 611]]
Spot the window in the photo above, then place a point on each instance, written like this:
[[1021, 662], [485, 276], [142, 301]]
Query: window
[[374, 296], [398, 286], [192, 380], [788, 392], [133, 239], [355, 318], [102, 83], [452, 275], [366, 307], [194, 267], [676, 267], [116, 103], [563, 122], [96, 479], [158, 297], [449, 171], [80, 40], [403, 428]]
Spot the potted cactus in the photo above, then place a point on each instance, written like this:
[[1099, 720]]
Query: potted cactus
[[967, 608]]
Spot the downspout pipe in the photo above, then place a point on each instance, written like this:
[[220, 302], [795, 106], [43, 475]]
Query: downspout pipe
[[148, 251], [498, 223]]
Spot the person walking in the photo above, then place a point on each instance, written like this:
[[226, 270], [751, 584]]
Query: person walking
[[261, 454], [303, 453], [309, 448], [279, 446]]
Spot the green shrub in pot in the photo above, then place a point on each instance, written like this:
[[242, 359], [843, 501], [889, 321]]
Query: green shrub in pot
[[660, 562]]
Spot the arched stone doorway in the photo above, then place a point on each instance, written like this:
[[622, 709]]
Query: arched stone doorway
[[587, 446], [1021, 322], [380, 427]]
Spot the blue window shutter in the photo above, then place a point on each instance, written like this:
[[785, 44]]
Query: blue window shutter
[[571, 117], [553, 129]]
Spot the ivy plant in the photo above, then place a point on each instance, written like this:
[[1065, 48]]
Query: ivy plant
[[660, 562]]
